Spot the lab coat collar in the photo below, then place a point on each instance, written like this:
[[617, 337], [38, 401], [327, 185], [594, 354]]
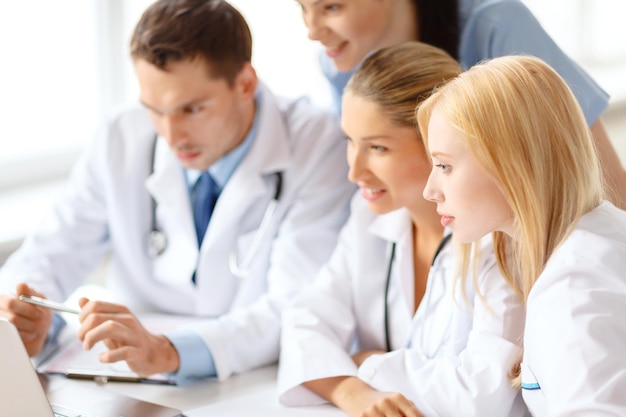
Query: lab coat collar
[[394, 226], [270, 153]]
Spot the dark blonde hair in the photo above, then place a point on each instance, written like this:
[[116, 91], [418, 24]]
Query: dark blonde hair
[[398, 78]]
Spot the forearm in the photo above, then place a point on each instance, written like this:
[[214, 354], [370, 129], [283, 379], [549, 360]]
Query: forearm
[[343, 391]]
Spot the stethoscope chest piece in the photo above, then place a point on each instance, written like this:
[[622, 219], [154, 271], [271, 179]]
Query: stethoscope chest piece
[[157, 243]]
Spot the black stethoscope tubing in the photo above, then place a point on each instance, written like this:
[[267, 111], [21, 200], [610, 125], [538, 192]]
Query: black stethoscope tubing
[[441, 245], [157, 238]]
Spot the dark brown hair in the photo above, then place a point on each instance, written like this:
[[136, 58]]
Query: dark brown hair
[[177, 30], [438, 23]]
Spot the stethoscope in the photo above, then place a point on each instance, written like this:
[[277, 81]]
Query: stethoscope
[[157, 239], [441, 245]]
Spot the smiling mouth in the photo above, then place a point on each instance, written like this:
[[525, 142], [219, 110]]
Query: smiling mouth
[[335, 51], [372, 191]]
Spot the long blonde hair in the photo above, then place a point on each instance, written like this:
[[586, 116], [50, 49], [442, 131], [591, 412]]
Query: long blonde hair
[[526, 129]]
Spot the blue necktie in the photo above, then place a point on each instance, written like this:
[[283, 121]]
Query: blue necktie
[[204, 195]]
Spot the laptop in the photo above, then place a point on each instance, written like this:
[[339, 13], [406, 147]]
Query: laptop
[[24, 393]]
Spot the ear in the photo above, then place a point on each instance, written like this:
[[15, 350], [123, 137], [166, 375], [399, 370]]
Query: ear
[[247, 80]]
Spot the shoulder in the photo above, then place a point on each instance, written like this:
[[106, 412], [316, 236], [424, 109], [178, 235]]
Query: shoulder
[[493, 11], [124, 137], [299, 115], [495, 27], [304, 118], [128, 124], [130, 116], [309, 134], [598, 242], [575, 311], [588, 264]]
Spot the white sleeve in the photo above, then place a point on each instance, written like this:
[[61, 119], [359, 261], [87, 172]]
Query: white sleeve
[[319, 327], [576, 335], [474, 382]]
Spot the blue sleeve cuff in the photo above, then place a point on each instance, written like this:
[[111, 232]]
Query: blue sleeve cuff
[[196, 361], [52, 341]]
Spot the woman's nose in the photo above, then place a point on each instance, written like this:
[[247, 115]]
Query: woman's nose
[[431, 192], [314, 25], [357, 166]]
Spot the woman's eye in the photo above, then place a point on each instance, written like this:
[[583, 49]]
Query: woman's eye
[[379, 149], [444, 168]]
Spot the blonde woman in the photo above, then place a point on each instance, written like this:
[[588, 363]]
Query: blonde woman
[[512, 156], [386, 330]]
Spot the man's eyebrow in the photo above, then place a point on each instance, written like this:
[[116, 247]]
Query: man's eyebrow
[[179, 107]]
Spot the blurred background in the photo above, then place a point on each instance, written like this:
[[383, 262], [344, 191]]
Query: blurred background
[[66, 67]]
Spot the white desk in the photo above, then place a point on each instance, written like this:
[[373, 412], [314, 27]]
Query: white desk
[[249, 394]]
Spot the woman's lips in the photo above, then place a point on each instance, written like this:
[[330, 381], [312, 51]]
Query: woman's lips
[[334, 52]]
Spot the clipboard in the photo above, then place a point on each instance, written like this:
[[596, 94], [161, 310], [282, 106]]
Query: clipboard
[[72, 361]]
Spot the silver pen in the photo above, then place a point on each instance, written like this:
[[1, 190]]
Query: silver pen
[[49, 304]]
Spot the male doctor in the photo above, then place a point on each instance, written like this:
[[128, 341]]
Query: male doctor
[[210, 140]]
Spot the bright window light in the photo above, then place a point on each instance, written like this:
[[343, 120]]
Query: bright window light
[[49, 96]]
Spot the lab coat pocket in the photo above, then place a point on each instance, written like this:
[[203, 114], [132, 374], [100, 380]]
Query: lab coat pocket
[[245, 253], [532, 393]]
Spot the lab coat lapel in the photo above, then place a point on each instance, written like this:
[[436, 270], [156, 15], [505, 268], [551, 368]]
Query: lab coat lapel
[[167, 185], [397, 227], [268, 154]]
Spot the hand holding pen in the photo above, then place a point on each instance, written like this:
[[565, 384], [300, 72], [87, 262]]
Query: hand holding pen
[[32, 322], [49, 304]]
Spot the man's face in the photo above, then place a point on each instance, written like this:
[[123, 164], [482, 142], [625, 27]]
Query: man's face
[[202, 118]]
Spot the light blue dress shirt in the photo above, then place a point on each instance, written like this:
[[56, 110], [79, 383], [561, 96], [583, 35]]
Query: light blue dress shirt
[[492, 28]]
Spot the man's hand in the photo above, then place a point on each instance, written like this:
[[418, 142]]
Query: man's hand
[[125, 337], [32, 322]]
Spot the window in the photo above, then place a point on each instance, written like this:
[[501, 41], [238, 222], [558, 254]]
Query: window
[[66, 66], [592, 32], [49, 85]]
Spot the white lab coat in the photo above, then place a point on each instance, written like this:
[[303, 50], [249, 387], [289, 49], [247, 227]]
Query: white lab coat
[[575, 338], [471, 354], [107, 206]]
